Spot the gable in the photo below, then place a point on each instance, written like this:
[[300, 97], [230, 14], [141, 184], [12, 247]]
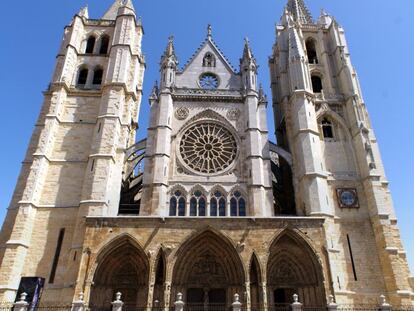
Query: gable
[[189, 77]]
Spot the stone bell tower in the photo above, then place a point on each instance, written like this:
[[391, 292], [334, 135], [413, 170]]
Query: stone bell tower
[[74, 163], [322, 120]]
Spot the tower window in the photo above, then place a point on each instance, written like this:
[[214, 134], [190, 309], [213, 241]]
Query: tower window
[[90, 45], [82, 77], [311, 49], [237, 205], [97, 76], [218, 205], [177, 204], [317, 84], [327, 129], [209, 60], [104, 45]]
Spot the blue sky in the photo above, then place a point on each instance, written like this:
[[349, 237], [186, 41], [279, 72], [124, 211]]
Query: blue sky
[[379, 35]]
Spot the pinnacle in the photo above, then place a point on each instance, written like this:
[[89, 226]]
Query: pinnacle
[[299, 11], [112, 12]]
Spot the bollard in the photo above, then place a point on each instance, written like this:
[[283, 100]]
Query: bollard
[[22, 304], [384, 305], [296, 305], [79, 304], [179, 304], [236, 304], [332, 306], [117, 304]]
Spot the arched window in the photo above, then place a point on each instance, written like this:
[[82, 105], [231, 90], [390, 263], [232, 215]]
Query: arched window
[[198, 204], [218, 205], [327, 129], [90, 45], [237, 205], [97, 76], [209, 60], [316, 84], [177, 204], [104, 45], [311, 49], [82, 77]]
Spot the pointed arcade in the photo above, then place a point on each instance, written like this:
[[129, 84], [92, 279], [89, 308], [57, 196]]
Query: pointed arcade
[[299, 11]]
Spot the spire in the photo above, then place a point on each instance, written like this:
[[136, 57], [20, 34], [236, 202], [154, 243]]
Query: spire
[[299, 11], [247, 52], [113, 11], [84, 12], [170, 50]]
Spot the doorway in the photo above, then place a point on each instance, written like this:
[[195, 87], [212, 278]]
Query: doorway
[[203, 299]]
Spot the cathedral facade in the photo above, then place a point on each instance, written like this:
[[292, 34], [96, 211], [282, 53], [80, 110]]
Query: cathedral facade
[[206, 206]]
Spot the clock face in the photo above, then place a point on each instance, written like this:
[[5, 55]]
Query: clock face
[[347, 197], [209, 81]]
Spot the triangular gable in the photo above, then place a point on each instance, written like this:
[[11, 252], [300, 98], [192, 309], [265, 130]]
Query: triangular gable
[[209, 45]]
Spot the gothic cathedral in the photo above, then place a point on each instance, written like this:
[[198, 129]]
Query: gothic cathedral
[[206, 210]]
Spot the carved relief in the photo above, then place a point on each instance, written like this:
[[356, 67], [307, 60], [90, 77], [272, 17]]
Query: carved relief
[[233, 114], [182, 113]]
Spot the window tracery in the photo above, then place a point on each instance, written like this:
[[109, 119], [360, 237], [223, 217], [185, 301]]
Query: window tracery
[[198, 204], [177, 204], [208, 148], [218, 204], [237, 205]]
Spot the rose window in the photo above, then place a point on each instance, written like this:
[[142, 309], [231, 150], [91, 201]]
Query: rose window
[[208, 148]]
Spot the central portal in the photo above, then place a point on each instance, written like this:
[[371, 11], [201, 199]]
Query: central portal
[[208, 272]]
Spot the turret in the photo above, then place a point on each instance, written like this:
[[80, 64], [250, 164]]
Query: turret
[[169, 64], [248, 68]]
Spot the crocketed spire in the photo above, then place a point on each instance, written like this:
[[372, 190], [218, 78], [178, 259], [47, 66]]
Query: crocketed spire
[[299, 11]]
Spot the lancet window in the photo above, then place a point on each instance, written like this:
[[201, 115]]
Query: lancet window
[[237, 205], [177, 204], [218, 205], [327, 129], [198, 204]]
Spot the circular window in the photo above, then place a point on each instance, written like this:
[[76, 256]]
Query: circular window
[[209, 81], [208, 148]]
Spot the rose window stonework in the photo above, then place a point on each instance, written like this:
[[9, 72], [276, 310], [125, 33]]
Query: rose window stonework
[[208, 148]]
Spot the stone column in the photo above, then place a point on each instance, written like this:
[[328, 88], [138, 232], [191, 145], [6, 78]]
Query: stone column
[[179, 304], [264, 295], [117, 304], [236, 305], [332, 306], [296, 305], [22, 304], [384, 305], [79, 304]]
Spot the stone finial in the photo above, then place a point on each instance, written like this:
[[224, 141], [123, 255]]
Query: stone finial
[[209, 31], [117, 304], [332, 306], [22, 304], [23, 297], [384, 305], [79, 304], [296, 305], [236, 304], [84, 12], [179, 304]]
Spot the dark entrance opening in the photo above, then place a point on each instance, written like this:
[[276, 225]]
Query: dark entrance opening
[[203, 299], [284, 295]]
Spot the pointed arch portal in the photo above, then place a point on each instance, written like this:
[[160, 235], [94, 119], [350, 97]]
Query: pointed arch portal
[[122, 268], [293, 268], [208, 271]]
